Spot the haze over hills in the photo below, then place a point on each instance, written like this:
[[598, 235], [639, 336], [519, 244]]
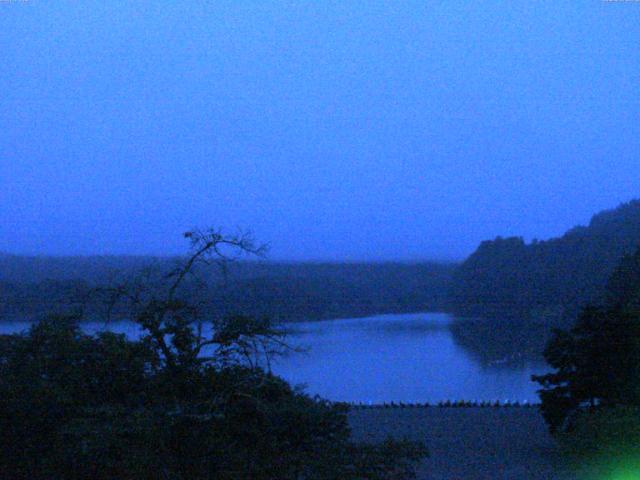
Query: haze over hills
[[282, 291], [507, 277]]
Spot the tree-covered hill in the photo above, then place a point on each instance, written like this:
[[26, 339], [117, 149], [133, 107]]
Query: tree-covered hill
[[507, 277], [30, 286]]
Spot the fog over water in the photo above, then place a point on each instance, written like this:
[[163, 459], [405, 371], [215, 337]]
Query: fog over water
[[335, 130]]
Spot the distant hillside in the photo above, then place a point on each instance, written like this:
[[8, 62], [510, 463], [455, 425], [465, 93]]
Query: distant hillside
[[623, 288], [508, 278], [32, 286]]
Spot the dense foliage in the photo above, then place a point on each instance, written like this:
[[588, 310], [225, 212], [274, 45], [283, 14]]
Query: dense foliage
[[555, 278], [597, 367], [597, 364], [190, 400], [74, 406]]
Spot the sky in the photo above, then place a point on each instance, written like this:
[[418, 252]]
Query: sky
[[334, 130]]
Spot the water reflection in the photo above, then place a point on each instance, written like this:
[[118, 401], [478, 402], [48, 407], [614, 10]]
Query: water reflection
[[409, 358], [501, 343]]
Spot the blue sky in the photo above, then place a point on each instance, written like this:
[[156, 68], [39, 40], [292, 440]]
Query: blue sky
[[334, 130]]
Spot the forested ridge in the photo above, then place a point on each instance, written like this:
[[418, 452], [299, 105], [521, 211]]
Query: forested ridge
[[29, 286], [504, 278], [551, 279]]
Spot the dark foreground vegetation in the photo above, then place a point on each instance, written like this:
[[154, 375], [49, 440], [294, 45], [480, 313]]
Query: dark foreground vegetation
[[183, 402], [591, 400]]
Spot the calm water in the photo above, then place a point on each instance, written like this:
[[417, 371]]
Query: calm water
[[408, 358]]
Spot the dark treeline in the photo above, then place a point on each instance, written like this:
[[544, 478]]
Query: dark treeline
[[507, 279], [546, 280], [29, 286]]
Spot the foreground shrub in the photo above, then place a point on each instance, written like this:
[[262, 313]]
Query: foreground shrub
[[190, 400], [74, 406], [591, 401]]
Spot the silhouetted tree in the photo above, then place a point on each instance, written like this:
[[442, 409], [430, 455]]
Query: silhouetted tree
[[189, 400], [597, 362]]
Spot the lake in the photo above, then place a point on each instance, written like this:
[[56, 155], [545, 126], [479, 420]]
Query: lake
[[411, 358]]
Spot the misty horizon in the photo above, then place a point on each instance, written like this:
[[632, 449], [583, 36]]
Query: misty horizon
[[268, 258], [332, 131]]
